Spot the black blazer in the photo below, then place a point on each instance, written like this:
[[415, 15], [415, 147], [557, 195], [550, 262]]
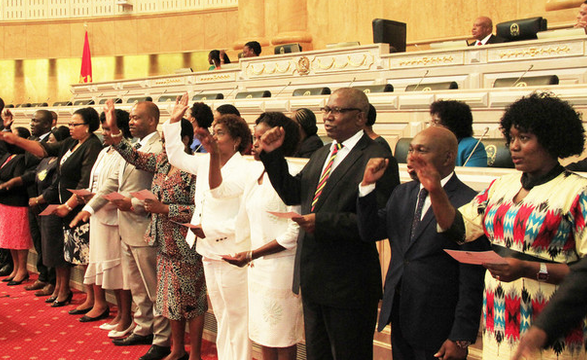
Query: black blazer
[[74, 173], [492, 40], [17, 195], [440, 299], [333, 266], [308, 146]]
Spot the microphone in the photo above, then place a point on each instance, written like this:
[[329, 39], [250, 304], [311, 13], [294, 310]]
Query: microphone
[[476, 145], [421, 79], [231, 91], [522, 76], [285, 87], [352, 82]]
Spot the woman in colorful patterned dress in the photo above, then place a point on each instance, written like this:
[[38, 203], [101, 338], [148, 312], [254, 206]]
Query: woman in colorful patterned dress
[[535, 220], [275, 312], [181, 288]]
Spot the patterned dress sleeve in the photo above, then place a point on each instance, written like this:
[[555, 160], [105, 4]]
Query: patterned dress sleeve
[[473, 214], [578, 214], [182, 212], [141, 160]]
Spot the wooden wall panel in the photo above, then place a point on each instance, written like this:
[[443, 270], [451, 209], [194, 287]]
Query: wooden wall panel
[[127, 39]]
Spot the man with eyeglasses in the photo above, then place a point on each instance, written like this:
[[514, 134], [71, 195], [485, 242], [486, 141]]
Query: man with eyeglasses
[[338, 274]]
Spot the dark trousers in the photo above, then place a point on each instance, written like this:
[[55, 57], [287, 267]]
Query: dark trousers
[[400, 348], [339, 334], [45, 274]]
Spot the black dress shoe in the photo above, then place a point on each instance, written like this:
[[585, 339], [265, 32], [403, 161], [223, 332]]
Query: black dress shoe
[[103, 315], [134, 339], [8, 279], [157, 352], [67, 300], [5, 270], [79, 311], [50, 299], [14, 282]]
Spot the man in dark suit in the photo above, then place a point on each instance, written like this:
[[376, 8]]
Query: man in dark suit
[[339, 275], [40, 129], [565, 310], [482, 32], [432, 301]]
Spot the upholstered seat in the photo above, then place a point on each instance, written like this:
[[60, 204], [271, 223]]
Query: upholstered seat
[[448, 85], [367, 89], [253, 94], [207, 96], [526, 81], [312, 91], [521, 29]]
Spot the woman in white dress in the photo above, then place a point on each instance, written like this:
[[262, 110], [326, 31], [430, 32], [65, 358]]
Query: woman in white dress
[[275, 312], [215, 236], [104, 271]]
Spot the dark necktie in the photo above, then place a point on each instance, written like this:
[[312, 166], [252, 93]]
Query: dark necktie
[[418, 213], [325, 175]]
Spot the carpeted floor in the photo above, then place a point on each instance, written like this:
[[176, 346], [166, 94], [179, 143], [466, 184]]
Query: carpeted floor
[[32, 330]]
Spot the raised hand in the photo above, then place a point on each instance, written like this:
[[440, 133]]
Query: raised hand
[[179, 109], [374, 170], [7, 118], [207, 140], [272, 139], [425, 172]]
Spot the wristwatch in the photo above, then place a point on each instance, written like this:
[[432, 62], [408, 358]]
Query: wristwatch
[[463, 344], [542, 274]]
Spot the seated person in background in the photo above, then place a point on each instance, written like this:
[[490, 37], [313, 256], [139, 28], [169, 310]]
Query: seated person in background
[[371, 117], [251, 49], [456, 116], [582, 17], [482, 32], [310, 141], [217, 58]]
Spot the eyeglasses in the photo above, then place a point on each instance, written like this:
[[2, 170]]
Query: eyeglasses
[[337, 110], [76, 124]]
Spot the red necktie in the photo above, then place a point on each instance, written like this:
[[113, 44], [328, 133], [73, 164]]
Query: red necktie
[[479, 43], [325, 175]]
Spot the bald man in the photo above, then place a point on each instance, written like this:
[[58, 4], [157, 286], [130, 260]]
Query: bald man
[[139, 259], [582, 17], [482, 32], [432, 301]]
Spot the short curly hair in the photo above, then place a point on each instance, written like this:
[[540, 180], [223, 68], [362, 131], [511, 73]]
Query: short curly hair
[[455, 116], [203, 114], [557, 126], [292, 130], [237, 127]]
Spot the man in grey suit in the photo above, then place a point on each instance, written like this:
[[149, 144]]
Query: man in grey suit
[[139, 259]]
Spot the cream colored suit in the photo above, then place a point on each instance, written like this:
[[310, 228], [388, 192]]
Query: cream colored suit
[[139, 259]]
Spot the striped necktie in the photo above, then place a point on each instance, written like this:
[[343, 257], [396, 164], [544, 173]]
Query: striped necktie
[[325, 175]]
